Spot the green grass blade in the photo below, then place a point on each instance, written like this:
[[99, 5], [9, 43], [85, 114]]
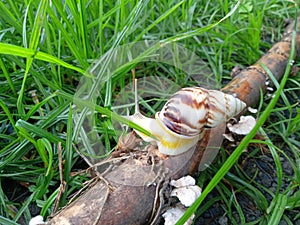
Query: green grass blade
[[262, 202], [49, 58], [293, 201], [45, 150], [8, 114], [8, 78], [105, 111], [201, 30], [23, 52], [33, 44], [158, 20], [7, 15], [82, 27], [68, 151], [47, 206], [24, 206], [68, 32], [273, 148], [6, 221], [38, 106], [21, 124], [278, 209]]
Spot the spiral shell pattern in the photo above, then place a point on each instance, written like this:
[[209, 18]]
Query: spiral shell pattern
[[192, 109]]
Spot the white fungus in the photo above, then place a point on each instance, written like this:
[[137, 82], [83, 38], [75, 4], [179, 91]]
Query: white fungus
[[252, 110], [187, 192], [244, 126], [36, 220], [187, 195], [172, 215], [183, 181], [229, 137]]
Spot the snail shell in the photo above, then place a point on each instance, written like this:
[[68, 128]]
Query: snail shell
[[182, 120]]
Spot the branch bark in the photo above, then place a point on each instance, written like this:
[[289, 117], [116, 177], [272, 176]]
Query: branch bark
[[131, 201]]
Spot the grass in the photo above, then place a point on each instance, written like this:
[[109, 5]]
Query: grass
[[48, 48]]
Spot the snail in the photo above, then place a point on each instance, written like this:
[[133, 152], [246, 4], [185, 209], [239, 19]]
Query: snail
[[182, 121]]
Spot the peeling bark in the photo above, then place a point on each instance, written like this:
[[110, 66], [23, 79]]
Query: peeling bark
[[133, 204]]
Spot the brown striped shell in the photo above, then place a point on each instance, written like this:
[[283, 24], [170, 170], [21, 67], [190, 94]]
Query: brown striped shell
[[192, 109]]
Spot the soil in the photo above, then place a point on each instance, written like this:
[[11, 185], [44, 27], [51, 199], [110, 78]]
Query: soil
[[264, 168]]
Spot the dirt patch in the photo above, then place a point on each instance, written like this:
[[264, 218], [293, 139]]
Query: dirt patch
[[262, 171]]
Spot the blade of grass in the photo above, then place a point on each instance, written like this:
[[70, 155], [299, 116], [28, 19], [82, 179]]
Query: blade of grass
[[14, 8], [50, 34], [252, 191], [158, 20], [9, 17], [201, 30], [23, 52], [6, 221], [68, 32], [33, 44], [105, 16], [39, 105], [68, 156], [293, 201], [47, 205], [276, 158], [45, 150], [105, 111], [275, 82], [8, 114], [24, 27], [278, 209], [8, 78], [25, 126], [100, 28], [24, 206], [238, 151], [20, 148], [82, 28]]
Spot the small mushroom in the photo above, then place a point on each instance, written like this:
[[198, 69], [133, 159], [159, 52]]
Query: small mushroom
[[183, 181], [186, 190], [36, 220], [244, 126], [172, 215], [187, 195], [252, 110], [228, 137]]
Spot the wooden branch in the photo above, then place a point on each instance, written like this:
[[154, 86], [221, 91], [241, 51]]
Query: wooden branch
[[131, 201]]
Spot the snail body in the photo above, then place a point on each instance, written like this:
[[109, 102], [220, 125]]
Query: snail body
[[182, 120]]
